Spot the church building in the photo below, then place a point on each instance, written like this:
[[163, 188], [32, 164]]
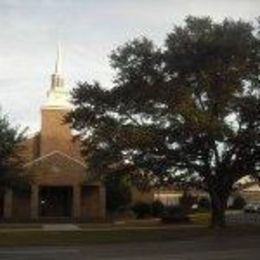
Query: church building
[[59, 182]]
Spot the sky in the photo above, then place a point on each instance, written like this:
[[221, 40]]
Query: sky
[[88, 31]]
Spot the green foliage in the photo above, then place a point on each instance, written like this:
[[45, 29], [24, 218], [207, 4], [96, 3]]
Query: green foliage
[[187, 200], [238, 203], [175, 214], [142, 209], [204, 203], [118, 193], [187, 113], [157, 208], [10, 162]]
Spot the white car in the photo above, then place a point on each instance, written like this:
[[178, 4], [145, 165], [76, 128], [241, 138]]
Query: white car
[[252, 207]]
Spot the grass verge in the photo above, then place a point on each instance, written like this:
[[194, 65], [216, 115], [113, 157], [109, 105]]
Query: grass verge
[[20, 226], [72, 238], [200, 218], [59, 238]]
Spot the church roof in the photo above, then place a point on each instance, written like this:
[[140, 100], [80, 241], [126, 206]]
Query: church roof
[[41, 158]]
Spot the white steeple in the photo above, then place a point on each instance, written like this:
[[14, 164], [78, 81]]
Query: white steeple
[[58, 64], [57, 96], [57, 80]]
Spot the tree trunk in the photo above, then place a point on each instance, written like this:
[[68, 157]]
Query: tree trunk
[[218, 204]]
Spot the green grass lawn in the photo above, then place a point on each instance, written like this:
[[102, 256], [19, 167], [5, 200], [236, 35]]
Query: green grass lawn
[[196, 219], [133, 231], [66, 238], [27, 238], [20, 226], [200, 218]]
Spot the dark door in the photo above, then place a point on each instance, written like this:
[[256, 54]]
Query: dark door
[[55, 201]]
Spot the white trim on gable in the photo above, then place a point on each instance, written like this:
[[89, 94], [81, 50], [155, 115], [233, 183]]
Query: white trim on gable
[[52, 153]]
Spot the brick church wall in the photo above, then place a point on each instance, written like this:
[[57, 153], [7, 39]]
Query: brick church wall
[[56, 134], [21, 208], [90, 202]]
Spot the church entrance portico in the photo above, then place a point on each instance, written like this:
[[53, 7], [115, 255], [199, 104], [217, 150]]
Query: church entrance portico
[[51, 202], [55, 201]]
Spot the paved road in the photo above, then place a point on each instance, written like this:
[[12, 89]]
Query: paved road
[[210, 248]]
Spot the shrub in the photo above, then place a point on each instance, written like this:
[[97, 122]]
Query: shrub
[[142, 209], [157, 208], [239, 202], [187, 200], [204, 203], [125, 212], [175, 214]]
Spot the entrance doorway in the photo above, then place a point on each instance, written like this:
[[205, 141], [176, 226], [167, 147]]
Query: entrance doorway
[[55, 201]]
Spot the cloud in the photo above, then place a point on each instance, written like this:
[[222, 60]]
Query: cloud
[[88, 30]]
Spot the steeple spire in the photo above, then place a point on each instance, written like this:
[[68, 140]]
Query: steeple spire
[[58, 64], [57, 94], [57, 80]]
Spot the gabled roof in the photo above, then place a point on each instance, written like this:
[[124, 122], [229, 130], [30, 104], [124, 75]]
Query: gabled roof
[[51, 154]]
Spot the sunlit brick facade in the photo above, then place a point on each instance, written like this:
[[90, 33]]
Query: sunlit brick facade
[[59, 185]]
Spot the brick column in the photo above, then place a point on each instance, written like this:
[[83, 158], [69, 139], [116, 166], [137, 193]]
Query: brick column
[[102, 201], [34, 201], [76, 201], [8, 201]]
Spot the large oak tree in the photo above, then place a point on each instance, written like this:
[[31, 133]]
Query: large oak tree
[[188, 112]]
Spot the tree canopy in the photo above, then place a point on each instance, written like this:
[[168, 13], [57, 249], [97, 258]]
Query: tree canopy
[[10, 161], [186, 112]]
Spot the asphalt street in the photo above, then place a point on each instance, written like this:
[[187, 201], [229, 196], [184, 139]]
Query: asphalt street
[[211, 248]]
